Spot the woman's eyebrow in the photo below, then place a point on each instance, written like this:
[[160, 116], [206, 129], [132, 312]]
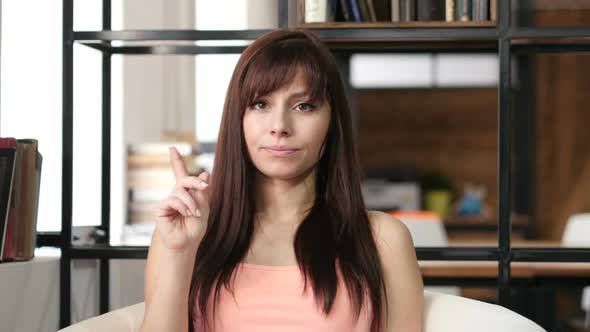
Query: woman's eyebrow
[[296, 95]]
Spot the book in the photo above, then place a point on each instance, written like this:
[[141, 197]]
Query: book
[[318, 11], [493, 10], [355, 10], [407, 10], [463, 13], [365, 10], [485, 10], [450, 10], [479, 10], [13, 219], [38, 168], [372, 13], [431, 10], [382, 10], [344, 10], [7, 170], [395, 7], [334, 10], [26, 200]]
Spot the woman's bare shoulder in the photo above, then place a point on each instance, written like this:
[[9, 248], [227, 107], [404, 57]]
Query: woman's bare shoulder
[[387, 226], [401, 273]]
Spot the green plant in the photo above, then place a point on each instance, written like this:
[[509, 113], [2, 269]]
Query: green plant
[[435, 181]]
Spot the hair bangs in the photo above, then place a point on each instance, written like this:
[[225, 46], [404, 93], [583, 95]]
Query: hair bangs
[[275, 67]]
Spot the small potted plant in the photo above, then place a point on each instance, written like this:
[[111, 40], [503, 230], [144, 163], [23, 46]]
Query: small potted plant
[[437, 193]]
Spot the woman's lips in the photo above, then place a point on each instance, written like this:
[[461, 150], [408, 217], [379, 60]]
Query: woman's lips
[[280, 153]]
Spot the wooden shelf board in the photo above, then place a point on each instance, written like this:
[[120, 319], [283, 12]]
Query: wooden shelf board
[[414, 24]]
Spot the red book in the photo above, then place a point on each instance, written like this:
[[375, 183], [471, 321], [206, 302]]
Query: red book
[[8, 147]]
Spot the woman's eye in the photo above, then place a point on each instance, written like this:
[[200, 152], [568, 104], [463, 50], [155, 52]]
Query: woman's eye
[[258, 105], [305, 107]]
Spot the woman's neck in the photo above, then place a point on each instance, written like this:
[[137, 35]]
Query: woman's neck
[[284, 201]]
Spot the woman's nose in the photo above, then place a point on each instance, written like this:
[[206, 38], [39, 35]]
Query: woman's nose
[[281, 124]]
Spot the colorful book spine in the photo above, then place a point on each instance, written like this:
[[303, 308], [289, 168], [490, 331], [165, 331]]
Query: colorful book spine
[[464, 10], [450, 10], [355, 10], [493, 10], [479, 10], [407, 10], [345, 11], [364, 10], [319, 11], [395, 8], [372, 12]]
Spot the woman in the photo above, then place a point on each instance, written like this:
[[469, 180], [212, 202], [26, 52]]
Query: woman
[[279, 238]]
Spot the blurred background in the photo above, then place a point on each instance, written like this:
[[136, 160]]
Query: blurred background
[[426, 124]]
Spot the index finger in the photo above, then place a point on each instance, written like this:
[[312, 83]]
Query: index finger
[[177, 163]]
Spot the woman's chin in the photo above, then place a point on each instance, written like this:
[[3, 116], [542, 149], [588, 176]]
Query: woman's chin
[[282, 173]]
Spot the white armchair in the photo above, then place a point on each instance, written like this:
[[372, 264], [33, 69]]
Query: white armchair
[[575, 235], [442, 313]]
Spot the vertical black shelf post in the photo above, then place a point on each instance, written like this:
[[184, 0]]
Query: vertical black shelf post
[[504, 164], [67, 149], [283, 13], [524, 129], [106, 159]]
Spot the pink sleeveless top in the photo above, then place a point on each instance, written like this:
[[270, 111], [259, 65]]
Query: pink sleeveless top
[[271, 298]]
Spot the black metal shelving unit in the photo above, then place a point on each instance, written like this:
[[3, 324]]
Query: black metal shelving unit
[[504, 38]]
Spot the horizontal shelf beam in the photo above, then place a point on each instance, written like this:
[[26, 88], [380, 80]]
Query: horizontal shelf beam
[[542, 32], [196, 50], [178, 50], [515, 282], [362, 34], [401, 34], [550, 254], [423, 253], [443, 253], [48, 239], [457, 253], [122, 252], [351, 40], [416, 33], [145, 35], [551, 47], [166, 49]]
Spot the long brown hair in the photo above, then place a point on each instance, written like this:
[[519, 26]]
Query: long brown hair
[[336, 228]]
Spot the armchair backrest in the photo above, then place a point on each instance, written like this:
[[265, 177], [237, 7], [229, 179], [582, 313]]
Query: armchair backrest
[[442, 313]]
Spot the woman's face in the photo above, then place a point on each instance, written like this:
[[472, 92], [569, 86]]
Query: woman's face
[[284, 132]]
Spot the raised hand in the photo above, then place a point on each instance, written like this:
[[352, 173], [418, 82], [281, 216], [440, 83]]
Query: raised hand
[[182, 216]]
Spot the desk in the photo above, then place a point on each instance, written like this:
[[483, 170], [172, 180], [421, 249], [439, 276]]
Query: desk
[[533, 273], [537, 304], [478, 269], [29, 298]]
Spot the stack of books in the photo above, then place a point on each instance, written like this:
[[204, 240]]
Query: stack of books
[[320, 11], [20, 179], [150, 177]]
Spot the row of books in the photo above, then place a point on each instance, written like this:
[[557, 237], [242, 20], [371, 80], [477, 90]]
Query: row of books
[[318, 11], [150, 177], [20, 179]]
